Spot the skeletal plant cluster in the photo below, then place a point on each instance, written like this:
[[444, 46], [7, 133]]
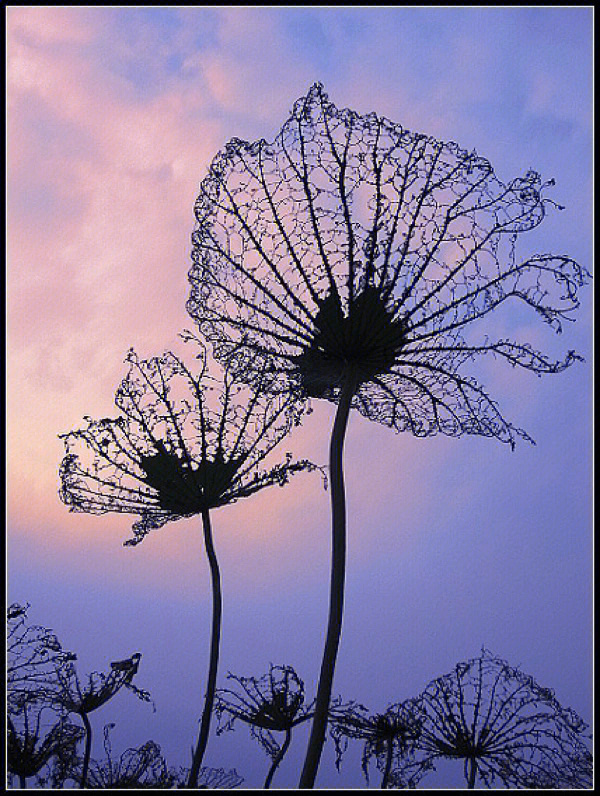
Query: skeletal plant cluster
[[502, 726], [347, 260]]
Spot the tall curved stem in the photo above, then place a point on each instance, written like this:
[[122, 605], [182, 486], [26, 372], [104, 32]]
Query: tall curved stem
[[87, 750], [278, 758], [214, 651], [336, 594]]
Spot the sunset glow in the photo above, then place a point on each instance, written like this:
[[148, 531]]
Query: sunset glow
[[114, 116]]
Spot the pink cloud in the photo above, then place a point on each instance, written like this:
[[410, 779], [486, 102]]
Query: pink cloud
[[101, 194], [238, 72], [51, 24]]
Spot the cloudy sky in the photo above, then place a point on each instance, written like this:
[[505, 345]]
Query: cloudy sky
[[114, 114]]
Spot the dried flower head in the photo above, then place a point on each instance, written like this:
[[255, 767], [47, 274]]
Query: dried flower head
[[349, 245], [271, 703], [141, 767], [209, 778], [33, 655], [505, 728], [184, 442], [36, 732], [387, 736], [83, 698], [575, 773], [218, 779]]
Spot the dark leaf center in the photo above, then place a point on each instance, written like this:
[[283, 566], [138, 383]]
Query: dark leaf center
[[368, 339], [186, 489]]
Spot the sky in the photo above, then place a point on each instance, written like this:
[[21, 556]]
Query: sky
[[113, 117]]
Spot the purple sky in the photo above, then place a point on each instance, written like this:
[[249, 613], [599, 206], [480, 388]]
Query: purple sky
[[114, 115]]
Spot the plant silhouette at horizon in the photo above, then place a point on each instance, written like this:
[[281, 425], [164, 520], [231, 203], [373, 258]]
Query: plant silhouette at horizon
[[33, 655], [139, 767], [271, 703], [37, 732], [357, 262], [82, 698], [186, 442], [38, 729], [387, 736], [502, 725]]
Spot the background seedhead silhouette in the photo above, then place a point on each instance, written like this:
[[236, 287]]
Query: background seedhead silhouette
[[505, 728], [83, 698], [387, 736], [33, 656], [268, 704], [37, 731], [142, 767]]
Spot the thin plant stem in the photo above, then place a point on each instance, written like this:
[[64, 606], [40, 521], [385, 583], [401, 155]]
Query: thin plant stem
[[472, 773], [336, 595], [388, 763], [214, 651], [278, 758], [22, 782], [88, 748]]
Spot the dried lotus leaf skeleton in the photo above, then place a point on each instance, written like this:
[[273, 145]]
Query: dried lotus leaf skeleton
[[185, 444], [357, 262]]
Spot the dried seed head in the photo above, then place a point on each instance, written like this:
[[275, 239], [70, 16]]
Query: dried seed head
[[368, 339], [184, 489]]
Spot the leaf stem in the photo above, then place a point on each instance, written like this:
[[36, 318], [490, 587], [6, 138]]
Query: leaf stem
[[88, 749], [278, 758], [338, 570], [214, 651]]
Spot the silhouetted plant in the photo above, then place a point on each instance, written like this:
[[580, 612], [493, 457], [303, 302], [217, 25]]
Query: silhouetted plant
[[61, 768], [503, 726], [36, 732], [83, 698], [184, 444], [33, 654], [268, 704], [40, 739], [387, 736], [145, 767], [575, 773], [356, 258], [214, 779], [141, 767]]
